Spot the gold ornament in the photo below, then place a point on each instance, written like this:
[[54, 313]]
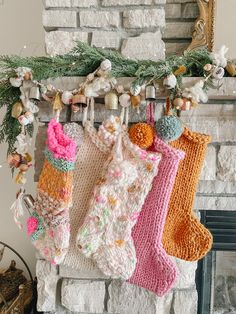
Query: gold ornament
[[57, 102], [231, 69], [17, 110], [111, 101]]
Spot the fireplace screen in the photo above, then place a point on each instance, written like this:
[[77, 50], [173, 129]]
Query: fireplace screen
[[216, 274]]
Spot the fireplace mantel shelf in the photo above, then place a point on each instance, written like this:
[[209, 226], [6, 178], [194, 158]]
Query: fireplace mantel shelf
[[226, 91]]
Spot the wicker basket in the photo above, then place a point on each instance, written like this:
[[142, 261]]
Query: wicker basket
[[10, 280]]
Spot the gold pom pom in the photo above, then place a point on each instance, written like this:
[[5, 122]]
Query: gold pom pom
[[142, 134]]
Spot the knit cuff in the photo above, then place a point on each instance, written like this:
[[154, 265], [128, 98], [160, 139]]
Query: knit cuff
[[167, 150], [196, 137], [60, 145]]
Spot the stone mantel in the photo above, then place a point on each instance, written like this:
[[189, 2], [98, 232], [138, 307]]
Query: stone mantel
[[88, 292]]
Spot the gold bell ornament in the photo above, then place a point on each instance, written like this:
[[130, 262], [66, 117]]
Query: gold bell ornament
[[150, 92], [111, 101], [34, 93], [231, 69], [17, 110], [78, 100], [57, 103]]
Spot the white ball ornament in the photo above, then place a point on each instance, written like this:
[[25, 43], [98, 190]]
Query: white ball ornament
[[15, 81], [170, 81], [66, 97], [105, 65], [124, 100]]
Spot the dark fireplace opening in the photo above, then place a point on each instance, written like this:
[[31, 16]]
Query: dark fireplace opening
[[216, 273]]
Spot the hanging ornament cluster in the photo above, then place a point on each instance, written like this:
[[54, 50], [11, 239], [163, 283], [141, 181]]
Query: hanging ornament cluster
[[102, 83]]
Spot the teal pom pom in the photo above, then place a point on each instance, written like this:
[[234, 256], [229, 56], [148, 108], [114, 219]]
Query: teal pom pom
[[169, 128]]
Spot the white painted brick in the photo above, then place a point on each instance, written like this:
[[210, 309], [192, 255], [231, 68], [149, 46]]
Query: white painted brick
[[176, 48], [47, 286], [57, 3], [99, 19], [83, 295], [217, 120], [173, 10], [68, 272], [179, 1], [185, 302], [186, 279], [215, 203], [216, 187], [59, 18], [146, 46], [159, 1], [70, 3], [178, 30], [190, 10], [84, 3], [106, 39], [227, 163], [125, 2], [209, 165], [130, 299], [144, 18], [66, 40]]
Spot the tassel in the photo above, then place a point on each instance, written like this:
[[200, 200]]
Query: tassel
[[17, 207]]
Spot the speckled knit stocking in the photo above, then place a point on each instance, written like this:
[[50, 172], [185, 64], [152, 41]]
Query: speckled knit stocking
[[114, 208], [49, 226], [155, 270], [184, 236]]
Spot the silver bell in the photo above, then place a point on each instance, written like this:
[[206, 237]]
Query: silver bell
[[34, 93], [150, 92], [28, 201]]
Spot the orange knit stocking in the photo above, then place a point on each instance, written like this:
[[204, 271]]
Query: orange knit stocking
[[184, 236]]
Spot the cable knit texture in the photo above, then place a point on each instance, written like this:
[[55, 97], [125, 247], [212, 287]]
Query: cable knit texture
[[91, 157], [115, 206], [49, 226], [154, 270], [184, 236]]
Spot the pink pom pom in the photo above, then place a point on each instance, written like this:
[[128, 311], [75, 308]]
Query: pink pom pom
[[32, 225], [59, 143]]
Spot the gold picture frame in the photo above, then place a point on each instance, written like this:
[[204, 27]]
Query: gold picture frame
[[203, 34]]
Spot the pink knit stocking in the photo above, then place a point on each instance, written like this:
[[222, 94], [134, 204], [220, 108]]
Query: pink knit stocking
[[154, 269]]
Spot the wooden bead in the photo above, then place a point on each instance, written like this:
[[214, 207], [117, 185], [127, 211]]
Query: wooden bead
[[23, 167], [27, 76], [14, 160], [135, 101], [178, 102]]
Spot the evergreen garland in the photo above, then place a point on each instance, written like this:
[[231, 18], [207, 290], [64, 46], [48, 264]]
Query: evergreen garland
[[81, 61]]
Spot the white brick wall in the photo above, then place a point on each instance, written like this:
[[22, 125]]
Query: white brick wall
[[115, 24]]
